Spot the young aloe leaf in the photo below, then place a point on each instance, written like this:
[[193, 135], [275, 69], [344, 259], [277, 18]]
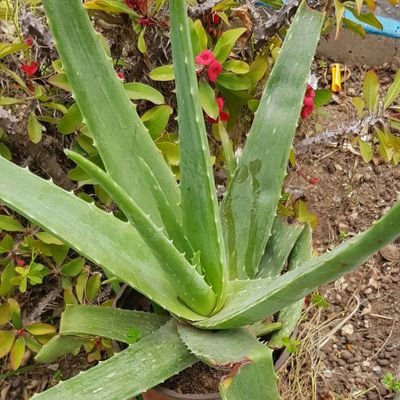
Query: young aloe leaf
[[57, 347], [280, 244], [249, 206], [119, 248], [251, 374], [201, 221], [173, 228], [188, 283], [129, 373], [251, 300], [393, 91], [108, 322], [106, 109], [370, 91], [290, 315]]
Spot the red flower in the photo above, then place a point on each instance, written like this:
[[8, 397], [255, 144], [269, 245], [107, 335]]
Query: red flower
[[214, 70], [215, 18], [206, 57], [29, 41], [310, 92], [145, 21], [121, 76], [308, 103], [223, 116], [30, 69], [20, 262], [134, 4]]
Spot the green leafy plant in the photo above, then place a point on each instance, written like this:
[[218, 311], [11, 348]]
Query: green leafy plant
[[215, 268], [391, 382], [382, 116], [19, 336], [374, 127]]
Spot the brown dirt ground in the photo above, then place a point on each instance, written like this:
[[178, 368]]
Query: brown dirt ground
[[361, 327]]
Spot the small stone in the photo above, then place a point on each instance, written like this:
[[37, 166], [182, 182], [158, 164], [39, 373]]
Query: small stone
[[331, 168], [383, 362], [343, 227], [365, 364], [377, 369], [347, 330], [345, 355], [381, 389], [327, 373], [390, 253]]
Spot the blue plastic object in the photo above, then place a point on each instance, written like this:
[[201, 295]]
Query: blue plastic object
[[391, 27]]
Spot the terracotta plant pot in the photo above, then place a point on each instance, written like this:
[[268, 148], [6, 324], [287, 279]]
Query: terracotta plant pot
[[128, 298], [161, 393]]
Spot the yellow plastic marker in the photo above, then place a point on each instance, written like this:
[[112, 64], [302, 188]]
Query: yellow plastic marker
[[336, 78]]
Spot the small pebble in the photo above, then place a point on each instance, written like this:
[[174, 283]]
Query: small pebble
[[345, 355], [383, 362], [377, 369]]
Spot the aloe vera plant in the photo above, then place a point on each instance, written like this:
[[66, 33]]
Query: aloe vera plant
[[217, 269]]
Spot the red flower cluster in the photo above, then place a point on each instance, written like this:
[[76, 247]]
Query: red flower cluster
[[308, 102], [30, 69], [144, 21], [138, 5], [29, 41], [134, 4], [207, 58], [223, 116]]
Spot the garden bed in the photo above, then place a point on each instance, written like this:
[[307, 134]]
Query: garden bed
[[353, 342]]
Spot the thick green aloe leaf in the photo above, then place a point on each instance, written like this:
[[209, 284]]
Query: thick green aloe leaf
[[188, 283], [250, 203], [280, 244], [290, 315], [113, 323], [199, 203], [251, 373], [172, 226], [57, 347], [252, 300], [102, 238], [81, 320], [118, 132], [132, 371]]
